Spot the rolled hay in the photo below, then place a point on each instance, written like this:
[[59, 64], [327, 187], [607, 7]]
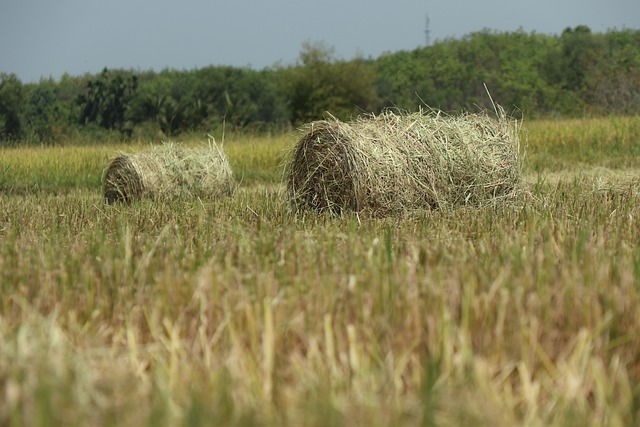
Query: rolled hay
[[393, 163], [169, 171]]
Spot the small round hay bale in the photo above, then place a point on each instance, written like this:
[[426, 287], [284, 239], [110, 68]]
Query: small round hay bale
[[394, 163], [168, 171]]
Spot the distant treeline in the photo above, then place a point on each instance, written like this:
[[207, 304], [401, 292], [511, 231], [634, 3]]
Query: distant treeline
[[576, 73]]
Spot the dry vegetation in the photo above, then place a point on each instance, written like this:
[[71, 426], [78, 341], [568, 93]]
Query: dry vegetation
[[169, 171], [394, 163], [234, 311]]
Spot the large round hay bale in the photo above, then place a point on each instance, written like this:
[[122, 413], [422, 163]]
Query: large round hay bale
[[393, 163], [168, 171]]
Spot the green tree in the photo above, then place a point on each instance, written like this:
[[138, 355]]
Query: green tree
[[612, 84], [579, 50], [567, 67], [11, 106], [397, 79], [106, 99], [241, 97], [48, 113], [168, 100], [319, 84]]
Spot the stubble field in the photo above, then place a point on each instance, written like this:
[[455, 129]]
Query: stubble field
[[237, 311]]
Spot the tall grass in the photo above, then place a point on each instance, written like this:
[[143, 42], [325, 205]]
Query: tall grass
[[29, 169], [555, 145], [254, 160], [237, 312]]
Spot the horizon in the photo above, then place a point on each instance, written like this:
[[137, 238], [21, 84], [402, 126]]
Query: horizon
[[64, 75], [44, 40]]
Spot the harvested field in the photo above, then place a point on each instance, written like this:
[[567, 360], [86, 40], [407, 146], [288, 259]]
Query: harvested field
[[234, 311]]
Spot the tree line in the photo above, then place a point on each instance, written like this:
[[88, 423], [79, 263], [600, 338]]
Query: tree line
[[575, 73]]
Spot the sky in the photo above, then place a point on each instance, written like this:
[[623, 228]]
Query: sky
[[47, 38]]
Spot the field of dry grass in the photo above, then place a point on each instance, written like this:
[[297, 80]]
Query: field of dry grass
[[236, 311]]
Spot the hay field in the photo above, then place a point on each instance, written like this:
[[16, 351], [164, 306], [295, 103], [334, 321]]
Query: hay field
[[237, 312]]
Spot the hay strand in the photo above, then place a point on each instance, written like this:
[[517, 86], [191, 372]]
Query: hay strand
[[169, 171], [394, 163]]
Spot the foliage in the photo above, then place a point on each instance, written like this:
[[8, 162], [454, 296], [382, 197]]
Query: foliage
[[166, 100], [207, 98], [107, 98], [51, 108], [613, 84], [320, 84], [576, 73], [11, 106]]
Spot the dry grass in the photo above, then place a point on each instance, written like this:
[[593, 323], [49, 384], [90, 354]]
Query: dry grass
[[169, 171], [235, 312], [232, 313], [394, 163]]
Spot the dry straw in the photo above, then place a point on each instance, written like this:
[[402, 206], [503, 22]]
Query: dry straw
[[394, 163], [169, 171]]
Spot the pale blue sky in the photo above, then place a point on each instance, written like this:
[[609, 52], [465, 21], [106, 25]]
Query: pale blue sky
[[41, 38]]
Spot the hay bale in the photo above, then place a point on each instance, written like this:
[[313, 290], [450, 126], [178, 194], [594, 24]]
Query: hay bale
[[394, 163], [168, 171]]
